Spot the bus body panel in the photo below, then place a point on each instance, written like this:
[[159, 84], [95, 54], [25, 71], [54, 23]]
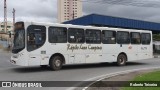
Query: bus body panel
[[20, 58], [110, 52], [79, 53]]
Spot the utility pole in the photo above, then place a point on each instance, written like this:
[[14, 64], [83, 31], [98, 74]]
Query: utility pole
[[5, 16], [13, 16], [10, 34]]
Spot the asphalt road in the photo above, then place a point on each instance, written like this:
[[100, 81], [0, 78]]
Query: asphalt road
[[9, 72]]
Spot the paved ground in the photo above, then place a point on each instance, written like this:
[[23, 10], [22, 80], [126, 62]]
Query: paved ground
[[10, 72]]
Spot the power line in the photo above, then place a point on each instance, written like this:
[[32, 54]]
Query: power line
[[137, 3]]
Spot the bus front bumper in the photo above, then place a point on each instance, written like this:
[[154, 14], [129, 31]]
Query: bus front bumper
[[18, 61]]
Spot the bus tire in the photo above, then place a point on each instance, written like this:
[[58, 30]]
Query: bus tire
[[56, 63], [121, 60]]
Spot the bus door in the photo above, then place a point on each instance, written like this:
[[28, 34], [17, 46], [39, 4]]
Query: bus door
[[124, 45], [145, 49], [134, 46], [36, 37]]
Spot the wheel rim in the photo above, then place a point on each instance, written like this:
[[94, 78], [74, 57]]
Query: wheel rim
[[122, 60], [58, 63]]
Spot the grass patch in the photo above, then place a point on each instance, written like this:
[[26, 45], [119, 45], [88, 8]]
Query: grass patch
[[153, 76]]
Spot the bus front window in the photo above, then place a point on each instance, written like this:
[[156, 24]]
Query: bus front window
[[19, 41], [36, 37]]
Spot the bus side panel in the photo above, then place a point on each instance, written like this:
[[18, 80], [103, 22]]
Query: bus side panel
[[109, 53], [76, 54], [93, 55], [34, 58], [51, 49], [146, 51], [132, 52]]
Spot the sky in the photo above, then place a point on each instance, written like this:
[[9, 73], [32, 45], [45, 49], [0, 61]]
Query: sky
[[46, 10]]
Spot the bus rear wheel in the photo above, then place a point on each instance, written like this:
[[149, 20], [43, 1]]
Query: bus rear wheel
[[121, 60], [56, 63]]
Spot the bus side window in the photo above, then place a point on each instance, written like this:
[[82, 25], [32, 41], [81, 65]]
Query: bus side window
[[135, 38], [93, 36], [57, 35], [108, 37], [123, 37], [36, 37], [146, 38], [31, 38], [76, 35]]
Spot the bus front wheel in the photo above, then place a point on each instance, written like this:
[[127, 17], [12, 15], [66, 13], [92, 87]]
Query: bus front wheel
[[56, 63], [121, 60]]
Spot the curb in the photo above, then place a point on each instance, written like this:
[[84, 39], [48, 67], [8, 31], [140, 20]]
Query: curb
[[118, 73]]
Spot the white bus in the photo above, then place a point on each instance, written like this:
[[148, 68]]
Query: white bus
[[55, 45]]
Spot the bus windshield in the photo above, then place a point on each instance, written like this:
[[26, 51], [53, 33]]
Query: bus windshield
[[19, 41]]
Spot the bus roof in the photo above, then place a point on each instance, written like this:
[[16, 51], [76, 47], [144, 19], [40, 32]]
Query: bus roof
[[80, 26]]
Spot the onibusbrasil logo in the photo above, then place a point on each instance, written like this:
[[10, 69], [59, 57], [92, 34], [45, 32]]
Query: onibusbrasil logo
[[20, 84]]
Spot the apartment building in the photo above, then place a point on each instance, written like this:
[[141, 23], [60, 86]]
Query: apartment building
[[69, 9], [9, 27]]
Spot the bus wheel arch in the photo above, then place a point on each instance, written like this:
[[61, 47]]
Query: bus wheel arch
[[56, 61], [122, 59]]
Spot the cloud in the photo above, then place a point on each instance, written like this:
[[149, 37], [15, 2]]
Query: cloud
[[32, 10], [132, 11], [46, 10]]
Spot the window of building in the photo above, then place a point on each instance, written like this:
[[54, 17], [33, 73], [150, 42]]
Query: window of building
[[123, 37], [57, 35], [8, 26], [2, 26], [76, 35], [146, 38], [93, 36], [135, 38], [109, 37]]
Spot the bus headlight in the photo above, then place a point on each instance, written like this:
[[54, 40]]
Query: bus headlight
[[15, 56]]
